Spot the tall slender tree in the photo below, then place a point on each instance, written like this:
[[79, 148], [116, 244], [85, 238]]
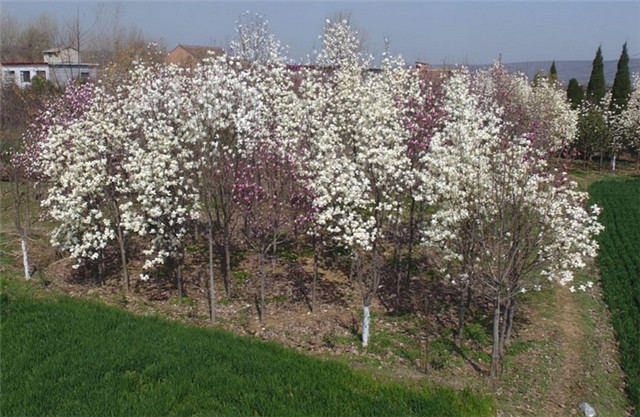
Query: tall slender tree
[[596, 87], [621, 84], [575, 93], [553, 73]]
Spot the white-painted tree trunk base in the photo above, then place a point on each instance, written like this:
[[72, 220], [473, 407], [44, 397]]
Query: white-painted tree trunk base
[[366, 319], [25, 259]]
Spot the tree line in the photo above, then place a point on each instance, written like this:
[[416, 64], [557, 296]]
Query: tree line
[[609, 121]]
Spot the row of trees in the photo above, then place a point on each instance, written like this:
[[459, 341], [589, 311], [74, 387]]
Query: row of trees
[[609, 120], [99, 36], [376, 162]]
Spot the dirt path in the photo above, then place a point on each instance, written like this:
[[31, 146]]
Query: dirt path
[[572, 357], [544, 379], [569, 338]]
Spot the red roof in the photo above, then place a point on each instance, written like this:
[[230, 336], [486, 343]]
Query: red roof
[[22, 64]]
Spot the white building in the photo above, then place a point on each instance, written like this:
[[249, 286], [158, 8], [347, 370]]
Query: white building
[[60, 66], [23, 72], [60, 55]]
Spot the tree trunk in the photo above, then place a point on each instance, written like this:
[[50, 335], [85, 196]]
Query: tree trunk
[[613, 162], [101, 268], [352, 266], [495, 354], [274, 243], [222, 219], [411, 238], [212, 294], [179, 283], [27, 208], [25, 257], [315, 273], [227, 260], [123, 258], [510, 314], [462, 309], [261, 273], [397, 258], [21, 224], [369, 294], [366, 319], [427, 332], [503, 329]]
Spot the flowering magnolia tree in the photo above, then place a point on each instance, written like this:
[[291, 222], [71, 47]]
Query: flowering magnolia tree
[[371, 161], [226, 110], [83, 164], [422, 116], [357, 153], [160, 164], [25, 166], [254, 42], [626, 125], [500, 212], [539, 110], [341, 44], [269, 198], [60, 112]]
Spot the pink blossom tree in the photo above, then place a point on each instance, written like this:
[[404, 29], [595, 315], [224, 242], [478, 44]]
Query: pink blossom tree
[[268, 195]]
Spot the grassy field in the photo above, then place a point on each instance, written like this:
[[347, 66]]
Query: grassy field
[[619, 263], [67, 356]]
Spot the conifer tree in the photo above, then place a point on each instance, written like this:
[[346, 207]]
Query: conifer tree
[[553, 74], [621, 84], [596, 88], [575, 93]]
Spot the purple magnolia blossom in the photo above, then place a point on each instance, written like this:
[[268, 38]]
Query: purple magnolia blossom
[[59, 113]]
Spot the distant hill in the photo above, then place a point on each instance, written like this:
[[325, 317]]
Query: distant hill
[[580, 70]]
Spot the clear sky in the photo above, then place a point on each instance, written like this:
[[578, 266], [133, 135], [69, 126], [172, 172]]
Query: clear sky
[[451, 32]]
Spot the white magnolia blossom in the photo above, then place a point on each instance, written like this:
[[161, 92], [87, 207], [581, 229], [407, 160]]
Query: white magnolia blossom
[[341, 45], [540, 109], [627, 123], [274, 85], [503, 193], [254, 42], [357, 155], [161, 167], [456, 166], [80, 161], [551, 113], [225, 102]]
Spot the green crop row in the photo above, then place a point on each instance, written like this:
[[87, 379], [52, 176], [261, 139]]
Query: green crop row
[[619, 263], [69, 357]]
